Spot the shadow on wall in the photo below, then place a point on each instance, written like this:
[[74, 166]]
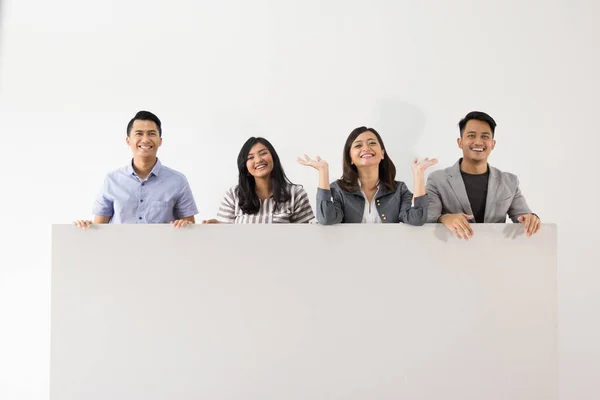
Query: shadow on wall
[[401, 126]]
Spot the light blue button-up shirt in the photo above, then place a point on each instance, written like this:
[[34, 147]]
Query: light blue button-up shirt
[[164, 196]]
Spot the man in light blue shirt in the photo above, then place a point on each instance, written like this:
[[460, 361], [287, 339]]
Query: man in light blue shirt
[[145, 191]]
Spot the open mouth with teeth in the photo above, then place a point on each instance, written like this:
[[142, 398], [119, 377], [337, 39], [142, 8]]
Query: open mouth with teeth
[[367, 155], [260, 167], [477, 149], [143, 147]]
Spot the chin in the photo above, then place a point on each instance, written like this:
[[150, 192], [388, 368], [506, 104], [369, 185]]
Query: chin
[[370, 163]]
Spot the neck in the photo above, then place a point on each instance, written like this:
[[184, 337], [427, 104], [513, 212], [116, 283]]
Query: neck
[[474, 167], [263, 188], [368, 177], [143, 166]]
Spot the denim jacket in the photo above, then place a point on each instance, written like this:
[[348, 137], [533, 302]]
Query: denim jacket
[[336, 206]]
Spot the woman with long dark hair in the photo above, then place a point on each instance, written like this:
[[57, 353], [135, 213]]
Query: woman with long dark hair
[[264, 194], [367, 192]]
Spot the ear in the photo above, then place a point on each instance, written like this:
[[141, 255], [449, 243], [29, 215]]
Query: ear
[[459, 142], [493, 144], [160, 143], [382, 154], [127, 140]]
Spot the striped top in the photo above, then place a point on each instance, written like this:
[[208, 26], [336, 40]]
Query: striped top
[[296, 210]]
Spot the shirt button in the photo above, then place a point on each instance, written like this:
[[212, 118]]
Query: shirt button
[[383, 215], [140, 218], [142, 200], [384, 218], [142, 183]]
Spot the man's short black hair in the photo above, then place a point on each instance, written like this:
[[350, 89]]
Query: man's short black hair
[[479, 116], [144, 116]]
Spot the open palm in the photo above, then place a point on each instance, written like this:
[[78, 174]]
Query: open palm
[[317, 163], [421, 166]]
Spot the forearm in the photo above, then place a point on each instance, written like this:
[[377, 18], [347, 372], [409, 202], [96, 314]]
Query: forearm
[[324, 178], [419, 189]]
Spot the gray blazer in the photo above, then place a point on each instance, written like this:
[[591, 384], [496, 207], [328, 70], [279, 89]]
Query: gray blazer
[[339, 206], [447, 195]]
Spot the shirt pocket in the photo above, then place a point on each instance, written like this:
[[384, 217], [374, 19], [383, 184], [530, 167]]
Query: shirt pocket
[[160, 212]]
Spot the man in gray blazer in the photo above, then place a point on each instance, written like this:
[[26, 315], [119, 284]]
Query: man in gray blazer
[[473, 191]]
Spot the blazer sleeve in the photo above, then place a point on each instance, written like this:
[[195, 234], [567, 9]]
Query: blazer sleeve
[[434, 210], [518, 206], [409, 214], [330, 206]]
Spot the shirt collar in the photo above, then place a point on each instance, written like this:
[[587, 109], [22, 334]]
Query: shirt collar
[[360, 184], [155, 170]]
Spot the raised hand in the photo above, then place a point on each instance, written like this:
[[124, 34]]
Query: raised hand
[[420, 167], [317, 163]]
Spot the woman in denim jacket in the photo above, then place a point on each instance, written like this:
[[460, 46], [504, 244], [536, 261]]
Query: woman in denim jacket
[[367, 192]]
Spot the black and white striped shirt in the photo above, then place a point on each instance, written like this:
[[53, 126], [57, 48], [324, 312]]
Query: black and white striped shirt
[[296, 210]]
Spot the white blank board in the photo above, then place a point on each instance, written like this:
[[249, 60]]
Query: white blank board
[[303, 312]]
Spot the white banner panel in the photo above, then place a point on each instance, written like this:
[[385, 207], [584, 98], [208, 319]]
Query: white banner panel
[[303, 312]]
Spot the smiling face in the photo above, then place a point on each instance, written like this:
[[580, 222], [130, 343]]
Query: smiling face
[[260, 161], [144, 139], [476, 141], [366, 151]]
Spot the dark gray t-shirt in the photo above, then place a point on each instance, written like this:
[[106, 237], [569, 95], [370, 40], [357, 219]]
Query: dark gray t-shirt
[[477, 187]]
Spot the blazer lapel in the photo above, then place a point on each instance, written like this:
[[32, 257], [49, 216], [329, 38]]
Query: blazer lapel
[[458, 186], [492, 195]]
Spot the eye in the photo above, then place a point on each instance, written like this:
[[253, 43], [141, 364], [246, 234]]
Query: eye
[[372, 143], [250, 158], [356, 146]]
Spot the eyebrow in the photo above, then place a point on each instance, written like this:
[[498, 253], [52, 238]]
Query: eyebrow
[[360, 141], [263, 149], [483, 133], [141, 130]]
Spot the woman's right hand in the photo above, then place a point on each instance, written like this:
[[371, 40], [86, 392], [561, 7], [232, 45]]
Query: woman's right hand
[[318, 163]]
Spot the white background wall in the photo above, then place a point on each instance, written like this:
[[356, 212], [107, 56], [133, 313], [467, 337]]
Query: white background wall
[[303, 74]]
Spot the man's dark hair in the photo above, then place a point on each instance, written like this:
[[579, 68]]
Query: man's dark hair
[[479, 116], [145, 116]]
